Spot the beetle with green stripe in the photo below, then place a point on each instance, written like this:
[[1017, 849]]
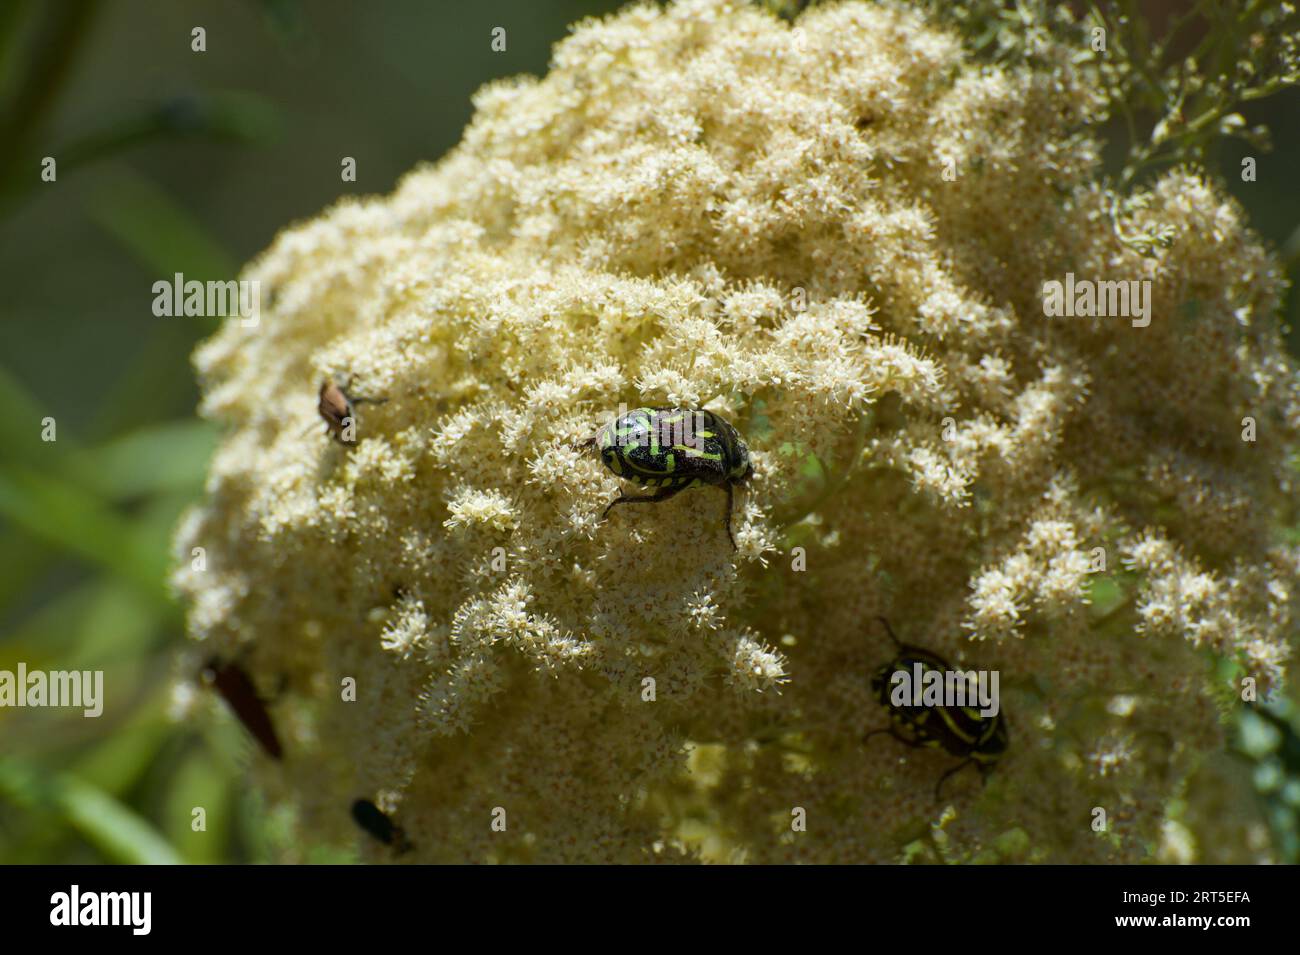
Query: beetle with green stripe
[[672, 449], [959, 730]]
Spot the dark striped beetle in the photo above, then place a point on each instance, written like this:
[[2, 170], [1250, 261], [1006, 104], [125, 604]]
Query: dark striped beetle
[[376, 822], [236, 688], [338, 410], [672, 449], [959, 730]]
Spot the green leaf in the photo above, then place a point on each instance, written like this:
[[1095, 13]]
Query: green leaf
[[118, 762], [73, 520], [166, 457], [23, 559], [199, 783], [164, 236], [20, 427], [166, 239], [114, 829]]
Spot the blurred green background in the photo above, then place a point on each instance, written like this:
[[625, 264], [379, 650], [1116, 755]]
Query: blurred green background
[[171, 160]]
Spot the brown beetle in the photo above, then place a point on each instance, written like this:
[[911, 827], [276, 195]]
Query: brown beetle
[[338, 410], [236, 688]]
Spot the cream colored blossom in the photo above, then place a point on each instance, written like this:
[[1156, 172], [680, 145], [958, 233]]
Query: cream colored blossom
[[696, 207]]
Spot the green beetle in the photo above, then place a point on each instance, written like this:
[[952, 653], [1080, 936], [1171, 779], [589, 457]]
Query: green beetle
[[671, 449], [960, 730]]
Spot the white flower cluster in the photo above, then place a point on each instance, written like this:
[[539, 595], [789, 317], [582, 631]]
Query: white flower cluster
[[695, 207]]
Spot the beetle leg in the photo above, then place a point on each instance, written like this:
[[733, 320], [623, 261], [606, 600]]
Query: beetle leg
[[892, 731], [956, 769], [730, 496], [622, 498]]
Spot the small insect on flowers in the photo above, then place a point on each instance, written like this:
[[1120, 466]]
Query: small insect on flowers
[[236, 688], [376, 822], [671, 449], [338, 410], [958, 729]]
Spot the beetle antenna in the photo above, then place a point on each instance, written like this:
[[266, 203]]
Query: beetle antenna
[[890, 630]]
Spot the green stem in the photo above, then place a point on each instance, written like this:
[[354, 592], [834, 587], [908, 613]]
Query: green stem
[[57, 45]]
